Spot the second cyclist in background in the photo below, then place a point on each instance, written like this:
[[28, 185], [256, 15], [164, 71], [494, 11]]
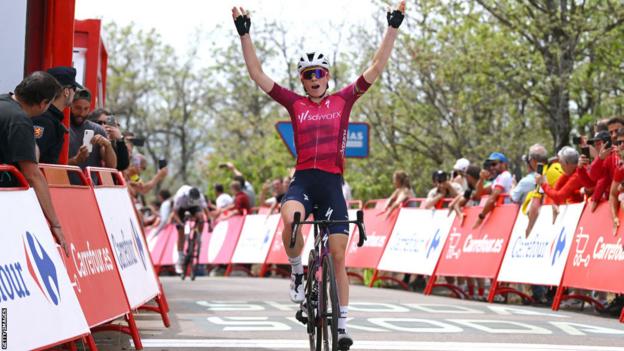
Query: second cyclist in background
[[188, 199]]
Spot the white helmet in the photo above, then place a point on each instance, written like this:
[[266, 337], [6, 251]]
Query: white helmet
[[312, 59]]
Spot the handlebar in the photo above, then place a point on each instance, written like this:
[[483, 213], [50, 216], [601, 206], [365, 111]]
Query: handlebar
[[324, 223]]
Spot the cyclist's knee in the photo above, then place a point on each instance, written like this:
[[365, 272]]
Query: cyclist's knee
[[338, 256]]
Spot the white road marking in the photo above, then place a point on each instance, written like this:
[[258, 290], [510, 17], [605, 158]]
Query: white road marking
[[368, 345]]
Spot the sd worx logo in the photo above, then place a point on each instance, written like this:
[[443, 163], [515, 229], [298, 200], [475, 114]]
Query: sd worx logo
[[558, 245], [42, 269]]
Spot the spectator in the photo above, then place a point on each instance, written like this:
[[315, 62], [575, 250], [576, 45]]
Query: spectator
[[245, 185], [49, 129], [496, 165], [136, 185], [618, 178], [32, 97], [241, 203], [459, 173], [102, 154], [567, 188], [402, 192], [107, 121], [537, 154], [165, 210], [223, 199], [443, 189], [278, 191], [601, 170], [472, 178]]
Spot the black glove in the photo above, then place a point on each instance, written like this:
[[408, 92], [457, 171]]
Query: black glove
[[243, 23], [395, 18]]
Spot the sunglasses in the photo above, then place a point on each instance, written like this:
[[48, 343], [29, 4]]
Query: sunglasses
[[317, 72], [619, 142], [494, 164], [100, 122]]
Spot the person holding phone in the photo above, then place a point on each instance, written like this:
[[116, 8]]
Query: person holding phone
[[568, 186], [107, 121], [537, 154], [320, 121], [103, 154]]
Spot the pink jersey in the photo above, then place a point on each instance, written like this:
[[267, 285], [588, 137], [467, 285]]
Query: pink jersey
[[320, 129]]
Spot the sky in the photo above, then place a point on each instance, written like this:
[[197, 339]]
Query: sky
[[178, 21]]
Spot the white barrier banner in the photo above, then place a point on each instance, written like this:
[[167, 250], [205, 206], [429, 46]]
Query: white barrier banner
[[417, 240], [39, 306], [256, 238], [541, 258], [131, 251]]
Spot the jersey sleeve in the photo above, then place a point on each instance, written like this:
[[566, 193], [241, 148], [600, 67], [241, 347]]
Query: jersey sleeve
[[21, 141], [503, 182], [284, 96], [354, 90]]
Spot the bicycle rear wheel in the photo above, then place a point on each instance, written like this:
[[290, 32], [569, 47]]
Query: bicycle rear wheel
[[329, 319]]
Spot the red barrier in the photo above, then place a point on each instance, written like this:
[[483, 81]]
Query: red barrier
[[475, 253], [218, 247], [596, 260], [91, 265], [158, 243]]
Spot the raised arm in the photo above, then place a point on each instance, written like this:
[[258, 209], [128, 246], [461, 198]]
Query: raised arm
[[385, 49], [243, 23]]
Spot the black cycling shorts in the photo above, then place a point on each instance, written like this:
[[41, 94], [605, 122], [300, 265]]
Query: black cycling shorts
[[192, 210], [320, 193]]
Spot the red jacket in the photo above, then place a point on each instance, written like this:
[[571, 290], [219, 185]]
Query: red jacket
[[567, 187]]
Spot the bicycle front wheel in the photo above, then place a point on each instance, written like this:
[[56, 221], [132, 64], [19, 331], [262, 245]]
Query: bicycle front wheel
[[195, 251], [331, 306]]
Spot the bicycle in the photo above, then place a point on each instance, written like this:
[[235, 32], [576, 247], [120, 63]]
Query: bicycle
[[321, 323], [192, 247]]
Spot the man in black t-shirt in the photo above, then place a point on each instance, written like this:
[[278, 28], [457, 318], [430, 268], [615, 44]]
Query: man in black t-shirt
[[32, 97], [49, 129]]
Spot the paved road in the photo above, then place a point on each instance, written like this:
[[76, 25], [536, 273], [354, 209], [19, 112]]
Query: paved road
[[255, 314]]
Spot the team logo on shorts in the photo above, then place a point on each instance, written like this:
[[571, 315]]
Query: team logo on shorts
[[38, 131]]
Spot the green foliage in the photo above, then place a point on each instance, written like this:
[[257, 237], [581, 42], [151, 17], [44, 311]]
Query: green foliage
[[465, 79]]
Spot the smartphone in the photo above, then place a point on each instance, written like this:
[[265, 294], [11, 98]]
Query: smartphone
[[222, 165], [162, 163], [585, 151], [136, 141], [86, 139], [608, 144], [540, 168], [111, 121], [467, 194]]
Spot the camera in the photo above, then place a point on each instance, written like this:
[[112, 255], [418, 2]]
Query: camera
[[576, 140], [111, 121], [162, 163], [540, 168], [487, 164], [137, 141]]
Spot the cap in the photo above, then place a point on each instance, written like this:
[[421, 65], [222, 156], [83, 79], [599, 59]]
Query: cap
[[497, 156], [600, 136], [461, 165], [65, 75]]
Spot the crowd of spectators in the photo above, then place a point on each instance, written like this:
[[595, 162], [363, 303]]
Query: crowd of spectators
[[591, 170]]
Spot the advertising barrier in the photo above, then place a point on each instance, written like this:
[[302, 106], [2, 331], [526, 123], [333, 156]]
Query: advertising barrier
[[417, 240], [256, 238], [130, 249], [476, 253], [92, 266], [218, 247], [158, 242], [540, 258], [36, 295], [596, 260], [378, 228]]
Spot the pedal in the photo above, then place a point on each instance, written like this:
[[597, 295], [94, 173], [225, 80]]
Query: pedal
[[301, 318]]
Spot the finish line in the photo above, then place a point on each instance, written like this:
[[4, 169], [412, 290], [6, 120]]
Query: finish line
[[368, 345]]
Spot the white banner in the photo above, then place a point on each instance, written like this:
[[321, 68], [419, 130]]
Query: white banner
[[131, 251], [417, 240], [256, 238], [39, 306], [541, 258]]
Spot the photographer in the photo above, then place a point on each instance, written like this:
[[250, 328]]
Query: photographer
[[443, 188], [107, 121], [138, 164], [567, 188]]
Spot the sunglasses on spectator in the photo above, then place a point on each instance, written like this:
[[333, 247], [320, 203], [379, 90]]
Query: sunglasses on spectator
[[100, 122], [317, 72], [494, 163], [619, 142]]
